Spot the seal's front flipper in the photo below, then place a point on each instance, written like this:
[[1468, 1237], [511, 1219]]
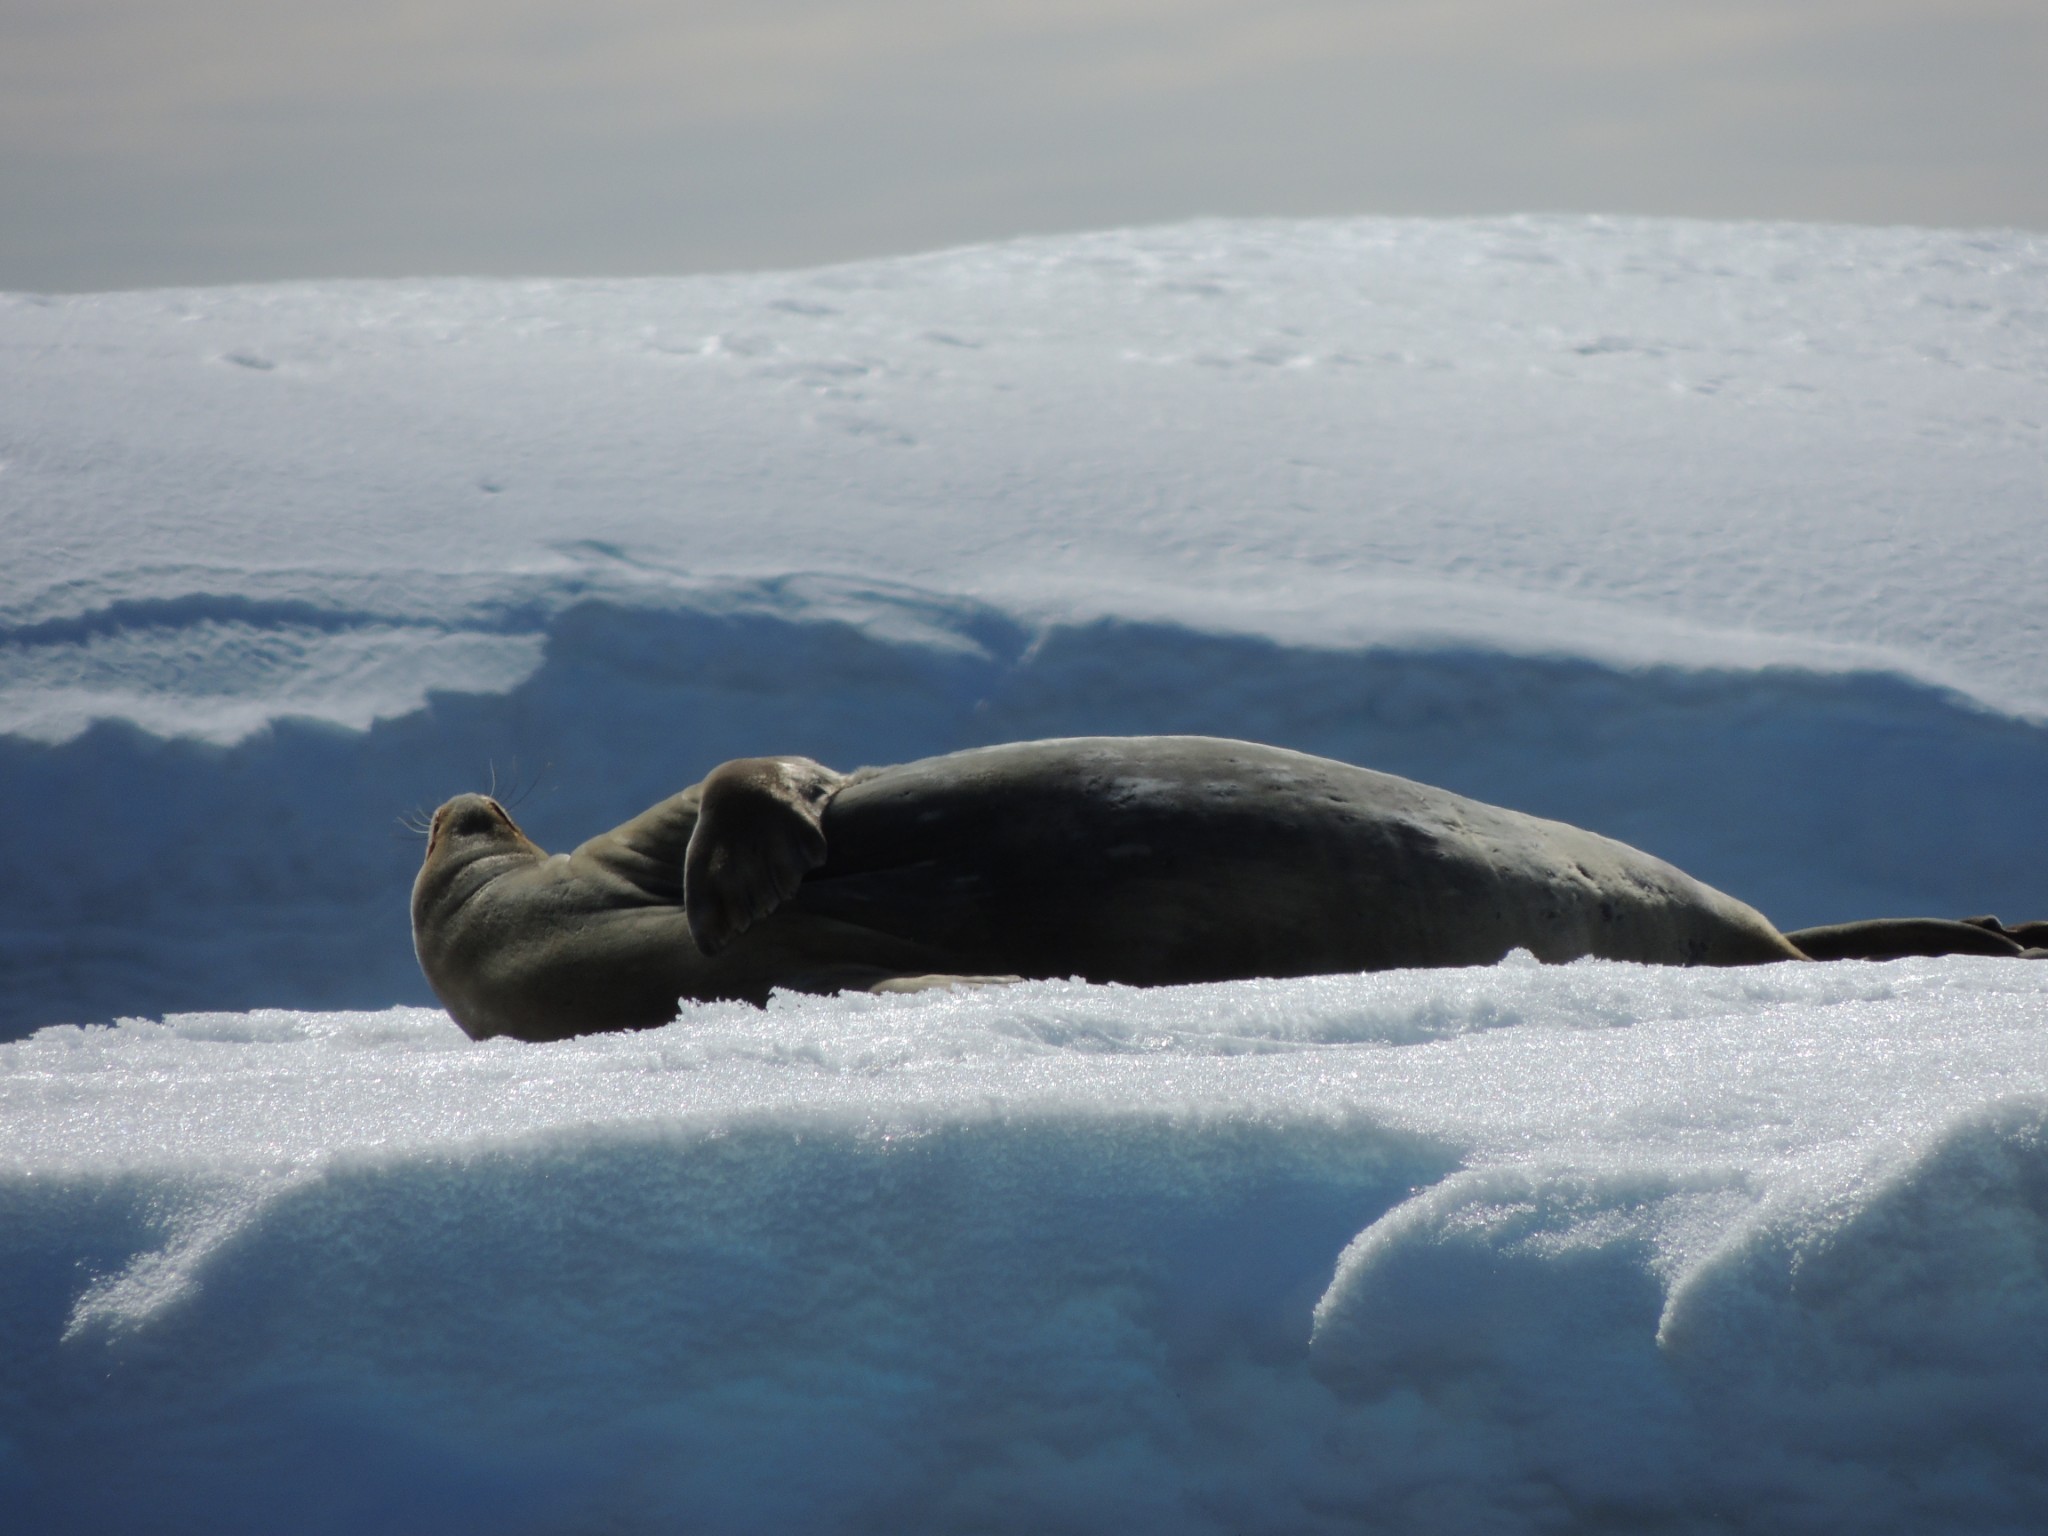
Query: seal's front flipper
[[760, 830]]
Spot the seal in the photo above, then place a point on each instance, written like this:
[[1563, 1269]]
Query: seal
[[1143, 860]]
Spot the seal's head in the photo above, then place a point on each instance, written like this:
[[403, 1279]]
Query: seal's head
[[515, 942], [471, 845]]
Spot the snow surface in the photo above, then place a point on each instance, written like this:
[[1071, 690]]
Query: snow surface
[[1727, 540], [1629, 439], [1518, 1248]]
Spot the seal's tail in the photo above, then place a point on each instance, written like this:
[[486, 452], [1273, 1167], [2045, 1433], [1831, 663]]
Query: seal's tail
[[1892, 938]]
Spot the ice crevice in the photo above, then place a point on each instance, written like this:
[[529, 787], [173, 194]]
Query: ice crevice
[[192, 849]]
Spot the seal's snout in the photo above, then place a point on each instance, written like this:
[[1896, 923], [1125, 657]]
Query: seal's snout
[[469, 816]]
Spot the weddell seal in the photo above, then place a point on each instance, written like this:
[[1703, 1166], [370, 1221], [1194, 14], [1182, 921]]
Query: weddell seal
[[1144, 860]]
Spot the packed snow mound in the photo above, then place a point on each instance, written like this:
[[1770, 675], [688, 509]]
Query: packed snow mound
[[1639, 441], [1516, 1248]]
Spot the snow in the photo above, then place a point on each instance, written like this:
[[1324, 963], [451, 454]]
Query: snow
[[1725, 539], [1629, 439], [1515, 1248]]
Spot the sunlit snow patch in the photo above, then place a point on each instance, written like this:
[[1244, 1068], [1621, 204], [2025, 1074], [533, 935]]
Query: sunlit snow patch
[[1515, 1248]]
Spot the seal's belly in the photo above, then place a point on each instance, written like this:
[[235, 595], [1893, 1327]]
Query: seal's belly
[[1188, 859]]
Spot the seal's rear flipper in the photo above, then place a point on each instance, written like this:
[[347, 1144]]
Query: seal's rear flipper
[[760, 830], [2029, 936], [1893, 938]]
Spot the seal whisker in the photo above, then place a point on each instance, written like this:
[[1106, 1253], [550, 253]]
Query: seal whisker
[[519, 795]]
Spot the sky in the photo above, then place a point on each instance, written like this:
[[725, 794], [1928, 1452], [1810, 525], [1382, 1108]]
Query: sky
[[158, 142]]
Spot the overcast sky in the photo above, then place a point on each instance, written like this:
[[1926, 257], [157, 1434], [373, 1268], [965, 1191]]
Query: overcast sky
[[146, 142]]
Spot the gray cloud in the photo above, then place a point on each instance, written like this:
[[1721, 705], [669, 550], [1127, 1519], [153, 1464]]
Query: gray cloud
[[153, 141]]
